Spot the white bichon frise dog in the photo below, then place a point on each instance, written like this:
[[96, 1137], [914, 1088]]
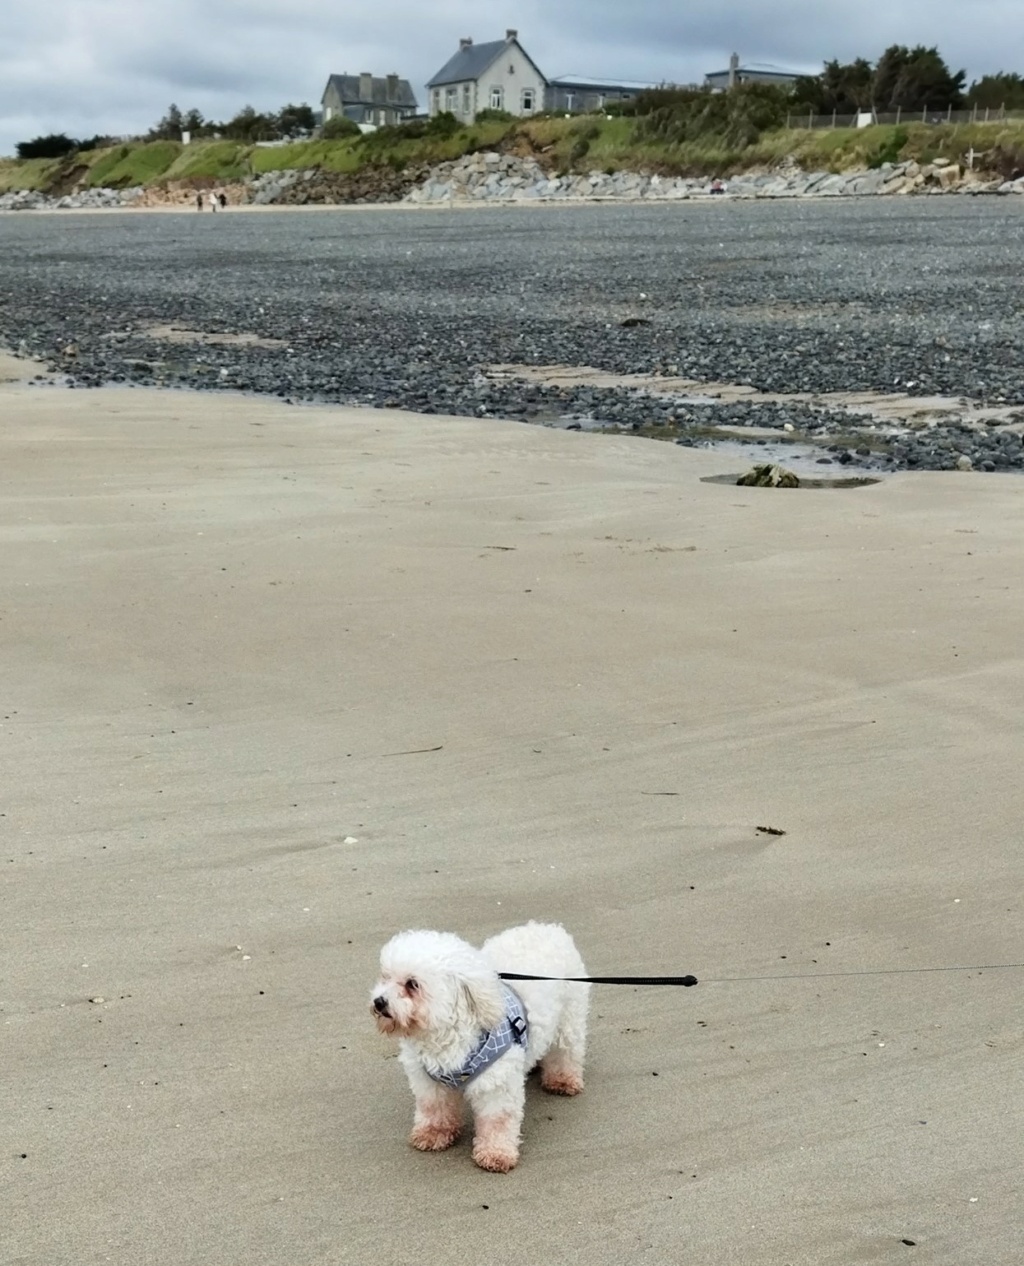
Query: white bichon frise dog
[[466, 1034]]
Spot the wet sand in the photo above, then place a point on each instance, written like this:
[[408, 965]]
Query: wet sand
[[279, 681]]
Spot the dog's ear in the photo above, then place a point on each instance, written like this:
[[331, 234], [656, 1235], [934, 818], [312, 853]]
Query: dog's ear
[[482, 996]]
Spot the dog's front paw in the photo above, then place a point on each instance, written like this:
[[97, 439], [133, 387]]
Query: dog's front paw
[[496, 1142], [434, 1138], [494, 1157]]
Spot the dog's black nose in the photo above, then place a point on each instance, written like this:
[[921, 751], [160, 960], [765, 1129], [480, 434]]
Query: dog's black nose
[[380, 1005]]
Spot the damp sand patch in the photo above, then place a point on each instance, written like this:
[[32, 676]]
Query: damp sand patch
[[209, 338], [891, 412]]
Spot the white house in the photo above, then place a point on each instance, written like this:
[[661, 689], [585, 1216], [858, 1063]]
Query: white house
[[494, 76]]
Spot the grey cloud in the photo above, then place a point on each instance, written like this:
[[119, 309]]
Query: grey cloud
[[84, 66]]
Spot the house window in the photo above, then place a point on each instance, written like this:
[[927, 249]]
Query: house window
[[570, 100], [497, 98], [528, 98], [328, 113], [467, 98], [451, 100], [437, 100]]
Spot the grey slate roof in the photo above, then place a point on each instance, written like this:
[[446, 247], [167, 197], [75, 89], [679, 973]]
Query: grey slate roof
[[348, 90], [755, 74], [471, 62], [468, 63]]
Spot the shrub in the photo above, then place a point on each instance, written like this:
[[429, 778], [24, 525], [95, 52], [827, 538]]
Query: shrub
[[676, 116], [334, 129], [889, 150], [586, 129], [440, 126], [443, 124], [494, 116], [54, 146]]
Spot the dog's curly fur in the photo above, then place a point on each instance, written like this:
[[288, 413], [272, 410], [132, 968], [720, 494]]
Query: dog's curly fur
[[439, 995]]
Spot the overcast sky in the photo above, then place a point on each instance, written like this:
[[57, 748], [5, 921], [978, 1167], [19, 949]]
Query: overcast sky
[[113, 66]]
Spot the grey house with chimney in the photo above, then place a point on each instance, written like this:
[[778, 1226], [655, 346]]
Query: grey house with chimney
[[368, 99], [495, 76], [723, 80]]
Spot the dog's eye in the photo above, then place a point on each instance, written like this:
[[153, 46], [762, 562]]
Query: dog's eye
[[412, 985]]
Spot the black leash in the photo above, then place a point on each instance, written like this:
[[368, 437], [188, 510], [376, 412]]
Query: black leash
[[685, 981], [688, 981]]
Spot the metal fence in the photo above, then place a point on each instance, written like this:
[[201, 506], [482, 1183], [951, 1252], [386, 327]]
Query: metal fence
[[979, 114]]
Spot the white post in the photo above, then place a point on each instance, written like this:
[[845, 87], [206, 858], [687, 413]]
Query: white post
[[949, 113], [898, 109]]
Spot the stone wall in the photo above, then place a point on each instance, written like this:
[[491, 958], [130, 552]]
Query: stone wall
[[85, 200], [372, 184], [505, 178], [492, 177]]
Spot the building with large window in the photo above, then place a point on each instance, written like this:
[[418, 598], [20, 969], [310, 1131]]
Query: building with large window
[[494, 76]]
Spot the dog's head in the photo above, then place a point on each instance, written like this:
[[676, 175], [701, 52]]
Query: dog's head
[[433, 983]]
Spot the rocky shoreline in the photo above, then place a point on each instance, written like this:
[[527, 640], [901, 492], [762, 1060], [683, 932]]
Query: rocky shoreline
[[507, 178], [783, 327]]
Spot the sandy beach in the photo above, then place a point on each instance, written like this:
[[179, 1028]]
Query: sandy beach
[[279, 681]]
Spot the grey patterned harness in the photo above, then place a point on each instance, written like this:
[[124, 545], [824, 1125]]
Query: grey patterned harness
[[510, 1032]]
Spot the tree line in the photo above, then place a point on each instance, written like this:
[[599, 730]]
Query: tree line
[[904, 79], [291, 122]]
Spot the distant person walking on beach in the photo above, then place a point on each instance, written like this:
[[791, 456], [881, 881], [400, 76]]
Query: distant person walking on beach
[[222, 198], [213, 201], [199, 202]]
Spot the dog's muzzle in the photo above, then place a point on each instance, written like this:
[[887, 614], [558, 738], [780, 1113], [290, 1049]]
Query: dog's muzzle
[[380, 1005]]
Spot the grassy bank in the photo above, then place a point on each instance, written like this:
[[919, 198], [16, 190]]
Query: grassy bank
[[578, 144]]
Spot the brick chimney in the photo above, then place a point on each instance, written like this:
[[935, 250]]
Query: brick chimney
[[365, 86], [465, 42], [511, 35], [392, 88]]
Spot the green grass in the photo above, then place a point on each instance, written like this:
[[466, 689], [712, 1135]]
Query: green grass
[[340, 155], [599, 144], [126, 165], [29, 173], [210, 160]]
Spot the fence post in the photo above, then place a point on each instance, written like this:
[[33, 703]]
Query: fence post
[[899, 109], [787, 121], [986, 114], [949, 113], [810, 120], [833, 120], [974, 113], [924, 115]]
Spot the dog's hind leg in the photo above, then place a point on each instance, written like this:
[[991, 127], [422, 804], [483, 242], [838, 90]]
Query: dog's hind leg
[[561, 1069]]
